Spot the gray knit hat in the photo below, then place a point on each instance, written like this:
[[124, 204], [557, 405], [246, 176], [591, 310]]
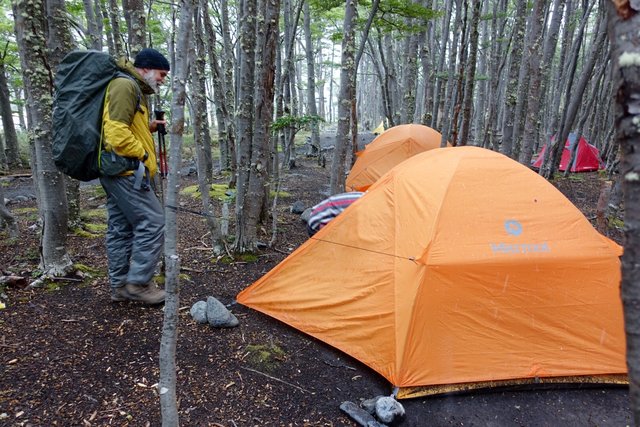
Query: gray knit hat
[[151, 59]]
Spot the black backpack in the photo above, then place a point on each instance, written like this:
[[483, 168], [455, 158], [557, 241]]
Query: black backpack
[[79, 89]]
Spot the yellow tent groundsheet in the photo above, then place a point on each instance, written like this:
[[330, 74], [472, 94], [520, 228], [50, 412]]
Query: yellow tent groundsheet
[[458, 267], [388, 150]]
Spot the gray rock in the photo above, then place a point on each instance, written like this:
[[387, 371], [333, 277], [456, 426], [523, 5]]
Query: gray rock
[[24, 197], [388, 409], [359, 415], [199, 312], [219, 316], [297, 207], [306, 215], [189, 170], [369, 405]]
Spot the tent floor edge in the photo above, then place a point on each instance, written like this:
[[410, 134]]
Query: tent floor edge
[[515, 384]]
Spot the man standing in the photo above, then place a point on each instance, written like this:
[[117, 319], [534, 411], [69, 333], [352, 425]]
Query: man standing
[[136, 220]]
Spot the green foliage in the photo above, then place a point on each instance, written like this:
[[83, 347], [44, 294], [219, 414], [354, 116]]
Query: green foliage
[[30, 214], [576, 177], [87, 269], [393, 15], [295, 122], [217, 192], [96, 191], [247, 257], [281, 194], [615, 222], [54, 285], [265, 357], [93, 223], [320, 6], [84, 232], [94, 214]]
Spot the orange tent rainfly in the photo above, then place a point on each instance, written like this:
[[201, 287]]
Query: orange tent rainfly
[[458, 268], [387, 150]]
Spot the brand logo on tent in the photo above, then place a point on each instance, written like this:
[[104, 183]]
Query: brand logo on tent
[[514, 228]]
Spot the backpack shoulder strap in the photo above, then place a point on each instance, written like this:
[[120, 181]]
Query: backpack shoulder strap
[[138, 91], [104, 105]]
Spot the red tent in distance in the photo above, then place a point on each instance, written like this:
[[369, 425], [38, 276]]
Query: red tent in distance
[[587, 158]]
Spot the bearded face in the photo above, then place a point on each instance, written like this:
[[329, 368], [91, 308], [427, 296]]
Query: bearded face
[[151, 79]]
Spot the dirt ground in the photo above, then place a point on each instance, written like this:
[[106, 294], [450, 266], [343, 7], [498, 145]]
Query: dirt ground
[[70, 357]]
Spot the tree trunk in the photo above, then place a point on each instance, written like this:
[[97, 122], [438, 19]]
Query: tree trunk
[[257, 196], [511, 97], [347, 71], [436, 121], [168, 342], [535, 64], [245, 235], [351, 158], [451, 90], [498, 61], [6, 218], [623, 27], [60, 43], [202, 136], [95, 37], [470, 74], [311, 83], [3, 156], [30, 32], [543, 97], [226, 139], [135, 16], [383, 78], [114, 20], [229, 88], [427, 62], [409, 79], [8, 126]]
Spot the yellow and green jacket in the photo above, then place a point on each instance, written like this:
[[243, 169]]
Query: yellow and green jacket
[[126, 118]]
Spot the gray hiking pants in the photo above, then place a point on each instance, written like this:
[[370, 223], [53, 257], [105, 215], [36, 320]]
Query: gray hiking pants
[[135, 233]]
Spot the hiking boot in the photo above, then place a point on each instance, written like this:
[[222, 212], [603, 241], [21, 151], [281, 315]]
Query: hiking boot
[[119, 294], [147, 294]]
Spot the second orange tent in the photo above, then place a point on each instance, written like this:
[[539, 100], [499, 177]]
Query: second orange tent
[[389, 149]]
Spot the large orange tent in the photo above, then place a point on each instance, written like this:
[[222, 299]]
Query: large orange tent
[[387, 150], [458, 267]]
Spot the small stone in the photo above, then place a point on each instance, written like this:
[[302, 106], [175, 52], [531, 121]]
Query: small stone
[[388, 409], [306, 215], [218, 315], [359, 415], [199, 312], [369, 405], [297, 207]]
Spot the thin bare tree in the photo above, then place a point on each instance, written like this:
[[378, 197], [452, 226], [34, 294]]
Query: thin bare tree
[[169, 339], [12, 158], [623, 23], [347, 71]]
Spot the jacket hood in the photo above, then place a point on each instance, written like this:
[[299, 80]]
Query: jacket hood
[[127, 66]]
